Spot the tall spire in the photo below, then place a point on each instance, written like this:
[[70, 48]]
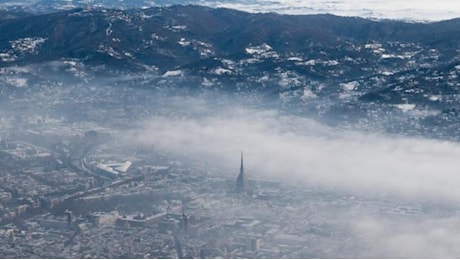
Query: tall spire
[[241, 168], [241, 181]]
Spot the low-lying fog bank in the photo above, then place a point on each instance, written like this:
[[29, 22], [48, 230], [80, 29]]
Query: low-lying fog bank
[[301, 150]]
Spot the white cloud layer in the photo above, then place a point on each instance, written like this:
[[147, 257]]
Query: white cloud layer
[[415, 237], [419, 10], [301, 150]]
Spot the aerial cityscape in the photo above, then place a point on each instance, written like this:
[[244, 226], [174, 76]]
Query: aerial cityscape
[[229, 129]]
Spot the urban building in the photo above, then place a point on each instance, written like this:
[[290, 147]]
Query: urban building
[[241, 186]]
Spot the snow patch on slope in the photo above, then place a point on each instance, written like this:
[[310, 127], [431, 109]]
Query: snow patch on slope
[[27, 45], [173, 73], [405, 107], [257, 50]]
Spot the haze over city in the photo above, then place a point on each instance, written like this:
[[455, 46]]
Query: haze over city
[[229, 129]]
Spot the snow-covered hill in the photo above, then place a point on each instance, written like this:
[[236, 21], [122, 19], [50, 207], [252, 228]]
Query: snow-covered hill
[[342, 69]]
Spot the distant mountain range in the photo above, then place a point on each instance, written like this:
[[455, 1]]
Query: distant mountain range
[[410, 66], [203, 40]]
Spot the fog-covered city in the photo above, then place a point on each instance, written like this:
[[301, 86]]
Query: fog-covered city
[[146, 134], [314, 190]]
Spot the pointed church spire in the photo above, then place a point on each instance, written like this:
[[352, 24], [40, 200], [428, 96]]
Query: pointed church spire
[[241, 181]]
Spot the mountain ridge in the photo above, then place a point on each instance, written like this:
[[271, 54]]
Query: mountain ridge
[[293, 53], [71, 34]]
